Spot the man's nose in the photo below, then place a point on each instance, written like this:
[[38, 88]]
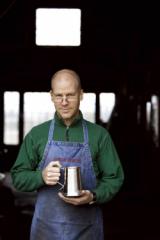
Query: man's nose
[[64, 100]]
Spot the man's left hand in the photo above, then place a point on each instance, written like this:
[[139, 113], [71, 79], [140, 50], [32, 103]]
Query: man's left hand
[[85, 197]]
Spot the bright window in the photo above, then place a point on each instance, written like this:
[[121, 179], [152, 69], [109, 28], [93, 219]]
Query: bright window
[[11, 118], [58, 27], [38, 108], [88, 106], [107, 103], [155, 118], [148, 114]]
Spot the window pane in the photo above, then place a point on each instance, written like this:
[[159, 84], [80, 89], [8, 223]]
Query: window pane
[[107, 103], [148, 114], [58, 27], [155, 118], [38, 108], [11, 118], [88, 106]]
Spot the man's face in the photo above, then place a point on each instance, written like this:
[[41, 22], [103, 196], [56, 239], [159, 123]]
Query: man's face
[[66, 96]]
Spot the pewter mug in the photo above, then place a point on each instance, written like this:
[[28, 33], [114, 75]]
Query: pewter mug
[[72, 186]]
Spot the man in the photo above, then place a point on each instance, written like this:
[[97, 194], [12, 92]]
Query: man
[[68, 140]]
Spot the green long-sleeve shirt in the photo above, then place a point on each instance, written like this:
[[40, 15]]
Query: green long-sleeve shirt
[[106, 163]]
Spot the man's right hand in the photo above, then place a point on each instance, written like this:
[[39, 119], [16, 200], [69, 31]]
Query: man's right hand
[[51, 173]]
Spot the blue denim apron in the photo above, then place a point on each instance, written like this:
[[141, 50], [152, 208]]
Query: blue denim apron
[[55, 219]]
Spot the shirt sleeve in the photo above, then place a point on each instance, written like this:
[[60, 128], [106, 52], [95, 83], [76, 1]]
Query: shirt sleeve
[[25, 175], [111, 175]]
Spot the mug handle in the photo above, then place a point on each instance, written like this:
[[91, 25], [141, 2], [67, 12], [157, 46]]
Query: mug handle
[[62, 185], [57, 164]]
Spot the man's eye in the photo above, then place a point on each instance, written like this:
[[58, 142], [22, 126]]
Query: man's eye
[[70, 95], [58, 96]]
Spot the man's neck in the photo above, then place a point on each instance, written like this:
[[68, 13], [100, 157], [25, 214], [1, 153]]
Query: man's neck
[[68, 122]]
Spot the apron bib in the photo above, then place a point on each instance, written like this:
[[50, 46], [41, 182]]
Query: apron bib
[[53, 218]]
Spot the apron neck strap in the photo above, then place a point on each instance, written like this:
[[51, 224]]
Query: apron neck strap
[[85, 131], [51, 130]]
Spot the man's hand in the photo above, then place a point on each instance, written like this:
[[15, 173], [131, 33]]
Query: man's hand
[[51, 173], [84, 198]]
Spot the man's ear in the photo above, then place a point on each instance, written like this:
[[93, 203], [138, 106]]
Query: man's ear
[[51, 93], [81, 95]]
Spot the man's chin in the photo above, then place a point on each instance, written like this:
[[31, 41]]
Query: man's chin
[[65, 116]]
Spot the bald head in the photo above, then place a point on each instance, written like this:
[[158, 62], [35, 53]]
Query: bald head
[[66, 74], [66, 94]]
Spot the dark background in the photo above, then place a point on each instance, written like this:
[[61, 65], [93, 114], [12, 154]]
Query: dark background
[[120, 53]]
